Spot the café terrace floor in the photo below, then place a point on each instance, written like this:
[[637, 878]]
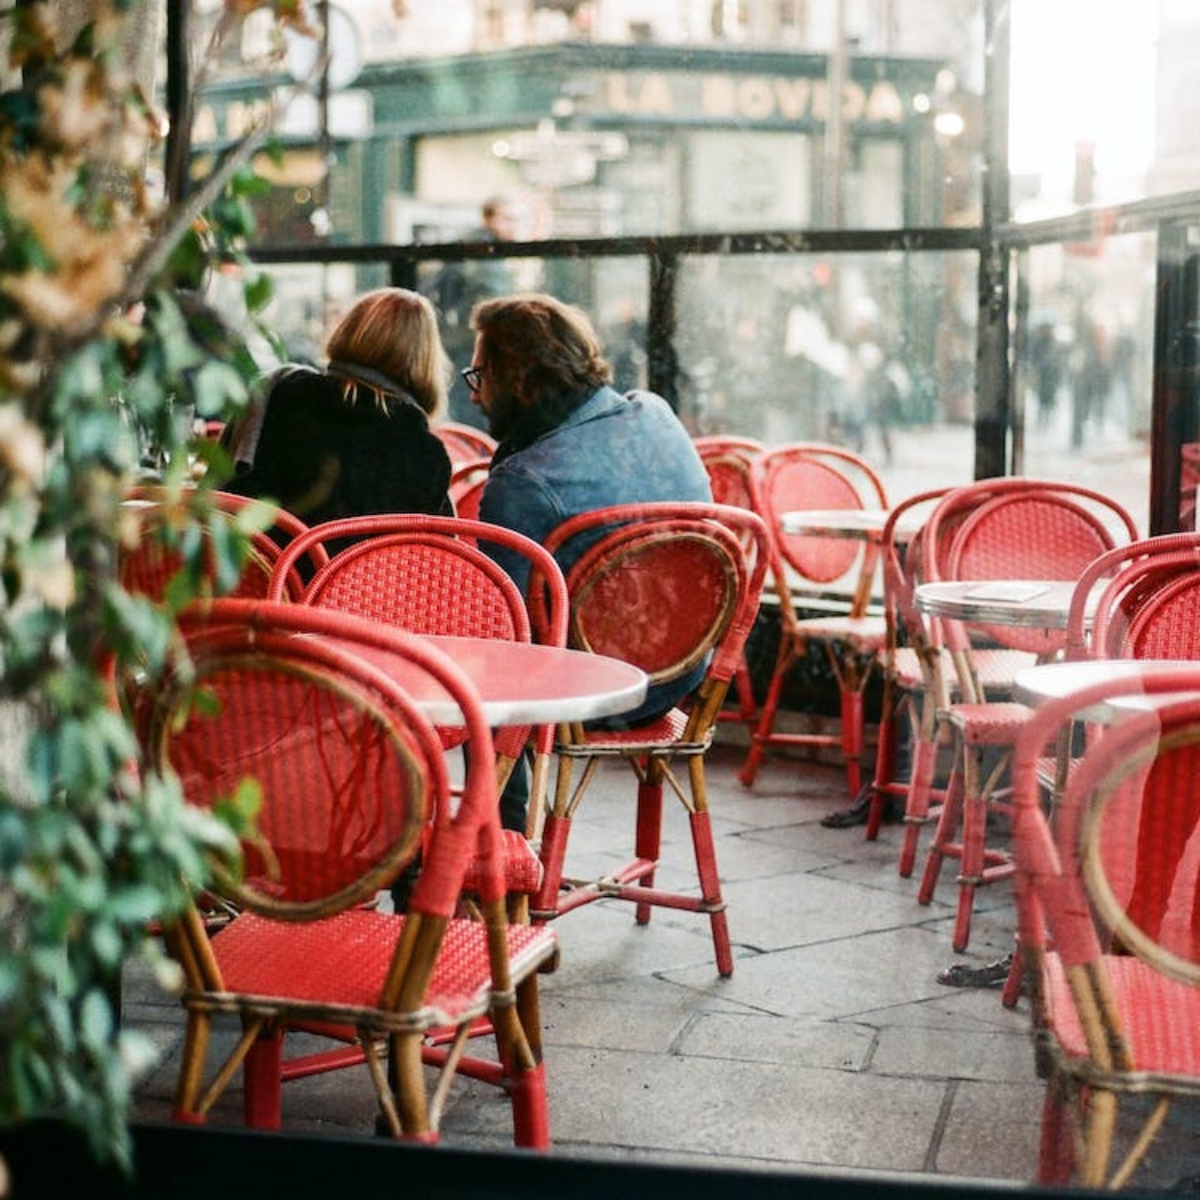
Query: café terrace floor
[[831, 1049]]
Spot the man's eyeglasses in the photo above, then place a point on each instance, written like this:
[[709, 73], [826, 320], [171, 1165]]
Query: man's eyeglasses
[[473, 376]]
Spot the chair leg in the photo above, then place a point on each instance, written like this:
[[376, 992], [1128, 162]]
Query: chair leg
[[1099, 1122], [852, 718], [555, 832], [1056, 1153], [191, 1068], [918, 806], [262, 1083], [1016, 979], [518, 1033], [971, 848], [530, 1108], [766, 715], [962, 834], [648, 836], [882, 781], [947, 826], [706, 867]]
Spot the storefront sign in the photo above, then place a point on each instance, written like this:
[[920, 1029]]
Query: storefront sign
[[749, 97]]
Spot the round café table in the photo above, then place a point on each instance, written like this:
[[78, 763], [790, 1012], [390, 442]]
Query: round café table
[[1052, 681], [861, 524], [1030, 603], [519, 683]]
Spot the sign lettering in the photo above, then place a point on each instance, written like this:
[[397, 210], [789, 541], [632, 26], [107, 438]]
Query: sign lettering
[[750, 97]]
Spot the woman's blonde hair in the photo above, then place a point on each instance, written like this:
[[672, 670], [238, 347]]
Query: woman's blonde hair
[[393, 332]]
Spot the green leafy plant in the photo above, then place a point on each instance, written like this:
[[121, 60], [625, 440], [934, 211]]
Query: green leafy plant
[[105, 345]]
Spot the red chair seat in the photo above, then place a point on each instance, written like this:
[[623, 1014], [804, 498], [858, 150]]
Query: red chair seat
[[667, 730], [994, 724], [522, 867], [341, 963], [867, 635], [1165, 1038]]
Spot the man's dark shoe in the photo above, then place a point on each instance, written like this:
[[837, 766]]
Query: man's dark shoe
[[859, 812], [856, 814], [967, 975]]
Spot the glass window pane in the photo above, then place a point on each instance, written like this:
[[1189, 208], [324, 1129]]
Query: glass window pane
[[1095, 134], [875, 353], [1084, 359]]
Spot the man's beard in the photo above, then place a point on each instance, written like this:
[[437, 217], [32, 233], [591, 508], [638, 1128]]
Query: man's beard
[[502, 415]]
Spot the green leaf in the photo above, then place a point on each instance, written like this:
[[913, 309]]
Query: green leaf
[[216, 387], [96, 1020], [257, 292]]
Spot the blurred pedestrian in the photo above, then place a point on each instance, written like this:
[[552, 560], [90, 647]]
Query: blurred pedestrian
[[458, 286]]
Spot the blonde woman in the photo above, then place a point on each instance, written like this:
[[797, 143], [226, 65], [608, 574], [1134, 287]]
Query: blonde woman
[[354, 438]]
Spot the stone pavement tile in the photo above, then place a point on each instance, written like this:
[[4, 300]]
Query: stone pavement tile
[[859, 977], [754, 1037], [602, 941], [991, 1130], [647, 1019], [747, 1110], [955, 1053], [766, 854], [794, 910]]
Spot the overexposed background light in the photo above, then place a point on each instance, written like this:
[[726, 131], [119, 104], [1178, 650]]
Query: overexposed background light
[[1082, 70]]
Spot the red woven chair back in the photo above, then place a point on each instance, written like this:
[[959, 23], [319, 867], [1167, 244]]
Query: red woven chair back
[[425, 574], [814, 476], [147, 567], [430, 575], [352, 776], [464, 442], [467, 481], [1118, 865], [1021, 529], [1166, 622], [662, 585], [727, 461], [1112, 590]]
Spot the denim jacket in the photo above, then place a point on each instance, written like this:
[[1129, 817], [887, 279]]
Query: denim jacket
[[612, 449]]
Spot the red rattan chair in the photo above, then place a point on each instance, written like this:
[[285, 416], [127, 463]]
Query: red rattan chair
[[1023, 529], [993, 666], [1109, 918], [464, 442], [353, 783], [467, 480], [727, 460], [166, 521], [1139, 600], [819, 572], [428, 574], [1151, 607], [664, 587]]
